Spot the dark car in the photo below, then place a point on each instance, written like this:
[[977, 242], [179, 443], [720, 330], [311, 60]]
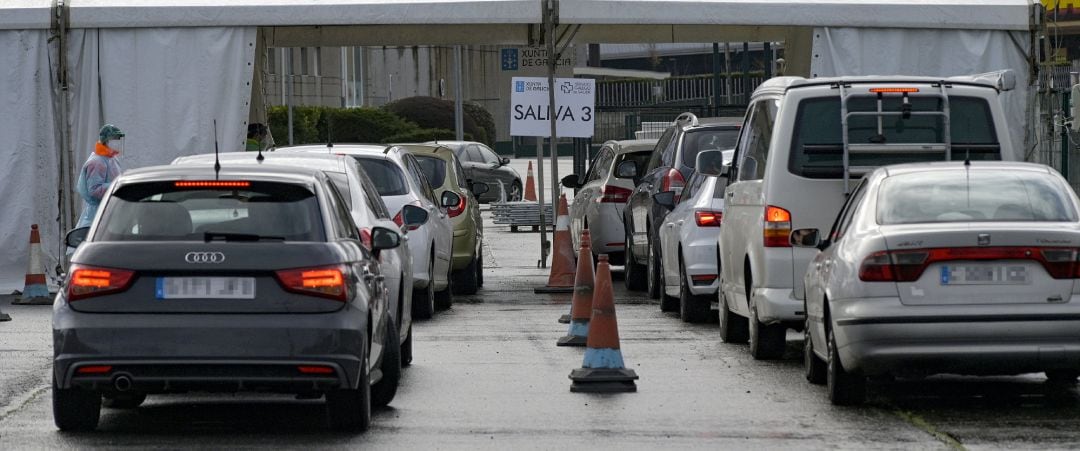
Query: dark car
[[481, 164], [659, 185], [251, 279]]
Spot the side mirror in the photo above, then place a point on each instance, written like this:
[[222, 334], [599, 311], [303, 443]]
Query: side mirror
[[626, 170], [479, 188], [805, 238], [413, 217], [571, 181], [450, 199], [710, 162], [76, 237], [504, 161], [665, 198], [383, 238]]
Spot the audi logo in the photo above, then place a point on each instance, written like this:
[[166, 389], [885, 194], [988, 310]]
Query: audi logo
[[204, 257]]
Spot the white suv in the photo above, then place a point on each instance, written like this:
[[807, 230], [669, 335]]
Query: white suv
[[803, 144]]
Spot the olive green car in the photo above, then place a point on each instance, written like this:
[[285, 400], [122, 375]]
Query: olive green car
[[444, 173]]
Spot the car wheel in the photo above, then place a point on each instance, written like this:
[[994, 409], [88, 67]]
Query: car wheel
[[123, 400], [813, 367], [406, 348], [1062, 376], [480, 266], [444, 299], [515, 191], [75, 409], [845, 389], [632, 270], [349, 409], [423, 306], [692, 308], [654, 284], [733, 328], [465, 280], [383, 391]]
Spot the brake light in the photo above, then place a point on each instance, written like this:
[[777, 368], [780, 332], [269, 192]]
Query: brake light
[[94, 369], [311, 369], [703, 279], [88, 281], [365, 237], [777, 227], [673, 181], [893, 90], [457, 209], [909, 265], [613, 194], [326, 282], [708, 218], [212, 184]]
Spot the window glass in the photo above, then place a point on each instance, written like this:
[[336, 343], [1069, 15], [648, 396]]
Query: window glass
[[341, 182], [343, 223], [692, 187], [666, 140], [418, 175], [641, 158], [488, 155], [462, 180], [854, 202], [434, 169], [754, 145], [719, 188], [387, 176], [596, 171], [817, 143], [473, 154], [159, 211], [695, 141], [973, 196], [371, 193]]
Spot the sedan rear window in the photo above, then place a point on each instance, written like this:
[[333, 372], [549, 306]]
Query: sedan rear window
[[973, 196], [161, 211], [388, 178], [434, 169], [696, 141]]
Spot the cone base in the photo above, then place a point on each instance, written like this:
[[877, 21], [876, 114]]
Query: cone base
[[547, 290], [32, 301], [5, 317], [603, 380], [572, 340], [565, 319]]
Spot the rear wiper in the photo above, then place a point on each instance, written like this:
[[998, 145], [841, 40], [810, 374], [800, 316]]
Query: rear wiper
[[212, 236]]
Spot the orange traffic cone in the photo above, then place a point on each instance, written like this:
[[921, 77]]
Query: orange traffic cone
[[530, 185], [581, 308], [35, 291], [603, 370], [561, 278]]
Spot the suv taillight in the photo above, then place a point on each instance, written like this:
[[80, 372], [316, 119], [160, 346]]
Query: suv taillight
[[706, 218], [673, 181], [777, 227], [89, 281], [324, 281], [613, 194], [457, 209]]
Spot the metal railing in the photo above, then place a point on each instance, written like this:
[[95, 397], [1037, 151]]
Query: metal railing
[[688, 91]]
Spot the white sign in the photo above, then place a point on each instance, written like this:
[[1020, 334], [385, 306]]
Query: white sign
[[530, 115]]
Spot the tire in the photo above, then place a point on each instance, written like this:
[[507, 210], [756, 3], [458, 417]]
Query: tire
[[692, 308], [767, 341], [406, 348], [633, 270], [733, 328], [350, 409], [445, 298], [515, 191], [1062, 376], [814, 368], [845, 389], [654, 282], [123, 400], [76, 409], [480, 266], [465, 280], [423, 305], [383, 391]]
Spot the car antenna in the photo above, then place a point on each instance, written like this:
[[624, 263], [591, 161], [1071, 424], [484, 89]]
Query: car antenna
[[260, 156], [329, 135], [217, 160]]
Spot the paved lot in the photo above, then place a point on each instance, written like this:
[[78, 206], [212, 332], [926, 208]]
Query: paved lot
[[488, 375]]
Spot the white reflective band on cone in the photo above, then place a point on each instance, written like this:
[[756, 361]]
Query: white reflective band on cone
[[562, 223]]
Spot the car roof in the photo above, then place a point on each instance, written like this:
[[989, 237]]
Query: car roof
[[324, 162], [273, 173], [439, 150], [632, 145], [908, 168], [340, 148]]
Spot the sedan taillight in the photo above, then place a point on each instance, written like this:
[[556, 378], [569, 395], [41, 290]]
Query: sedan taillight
[[909, 265], [613, 194], [706, 218], [89, 281], [326, 281]]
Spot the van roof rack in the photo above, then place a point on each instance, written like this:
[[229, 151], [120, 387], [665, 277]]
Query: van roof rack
[[688, 118]]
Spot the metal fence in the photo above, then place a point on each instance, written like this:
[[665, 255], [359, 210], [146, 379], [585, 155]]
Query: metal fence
[[639, 122], [688, 91], [1054, 145]]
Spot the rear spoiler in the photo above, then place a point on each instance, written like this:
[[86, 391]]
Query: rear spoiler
[[1003, 80]]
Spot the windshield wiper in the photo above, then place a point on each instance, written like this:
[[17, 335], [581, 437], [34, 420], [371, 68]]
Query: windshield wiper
[[212, 236]]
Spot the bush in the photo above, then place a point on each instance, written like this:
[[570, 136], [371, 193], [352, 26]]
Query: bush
[[484, 120], [346, 125], [424, 135], [434, 113]]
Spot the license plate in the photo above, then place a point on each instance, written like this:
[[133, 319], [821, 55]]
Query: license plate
[[206, 288], [984, 275]]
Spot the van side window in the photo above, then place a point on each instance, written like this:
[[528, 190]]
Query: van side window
[[754, 144]]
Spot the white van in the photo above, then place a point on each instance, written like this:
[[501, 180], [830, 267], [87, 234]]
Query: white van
[[804, 144]]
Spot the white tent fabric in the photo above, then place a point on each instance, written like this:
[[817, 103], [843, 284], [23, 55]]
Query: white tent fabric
[[862, 51]]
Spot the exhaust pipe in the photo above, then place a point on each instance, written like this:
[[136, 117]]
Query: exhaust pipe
[[122, 383]]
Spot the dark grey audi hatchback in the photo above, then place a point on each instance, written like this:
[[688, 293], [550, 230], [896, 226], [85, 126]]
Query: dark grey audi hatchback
[[247, 279]]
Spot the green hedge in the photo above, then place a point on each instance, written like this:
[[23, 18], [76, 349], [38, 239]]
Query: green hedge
[[347, 125], [435, 113], [424, 135]]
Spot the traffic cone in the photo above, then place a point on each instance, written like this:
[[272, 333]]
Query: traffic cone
[[35, 290], [530, 189], [603, 370], [561, 277], [565, 319], [581, 307]]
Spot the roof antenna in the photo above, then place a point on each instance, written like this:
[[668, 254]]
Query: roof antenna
[[260, 156], [329, 135], [217, 161]]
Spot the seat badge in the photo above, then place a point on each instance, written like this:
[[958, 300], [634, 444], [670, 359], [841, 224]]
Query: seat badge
[[984, 239]]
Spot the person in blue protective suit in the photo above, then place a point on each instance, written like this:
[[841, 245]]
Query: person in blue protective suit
[[100, 169]]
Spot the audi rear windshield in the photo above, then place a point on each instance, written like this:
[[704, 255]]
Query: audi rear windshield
[[817, 142], [167, 211]]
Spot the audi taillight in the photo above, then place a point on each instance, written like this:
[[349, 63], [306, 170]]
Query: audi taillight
[[777, 227], [326, 281], [673, 181], [458, 209], [613, 194], [708, 218], [89, 281], [909, 265]]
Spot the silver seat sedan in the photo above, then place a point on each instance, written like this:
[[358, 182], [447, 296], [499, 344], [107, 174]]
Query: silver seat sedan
[[957, 267]]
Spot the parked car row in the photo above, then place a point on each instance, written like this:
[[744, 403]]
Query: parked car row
[[296, 271], [867, 213]]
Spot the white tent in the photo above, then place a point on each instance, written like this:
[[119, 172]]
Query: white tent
[[165, 70]]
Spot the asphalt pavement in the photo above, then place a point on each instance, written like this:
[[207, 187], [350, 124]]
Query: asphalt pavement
[[487, 375]]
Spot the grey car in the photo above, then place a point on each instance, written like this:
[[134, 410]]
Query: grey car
[[481, 164], [952, 267], [251, 279]]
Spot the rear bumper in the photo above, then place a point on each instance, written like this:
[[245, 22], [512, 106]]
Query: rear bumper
[[464, 247], [242, 352], [606, 229], [699, 256]]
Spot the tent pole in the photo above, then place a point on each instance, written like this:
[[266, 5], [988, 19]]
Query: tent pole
[[552, 61], [716, 78], [289, 94], [459, 122], [67, 164], [727, 74]]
